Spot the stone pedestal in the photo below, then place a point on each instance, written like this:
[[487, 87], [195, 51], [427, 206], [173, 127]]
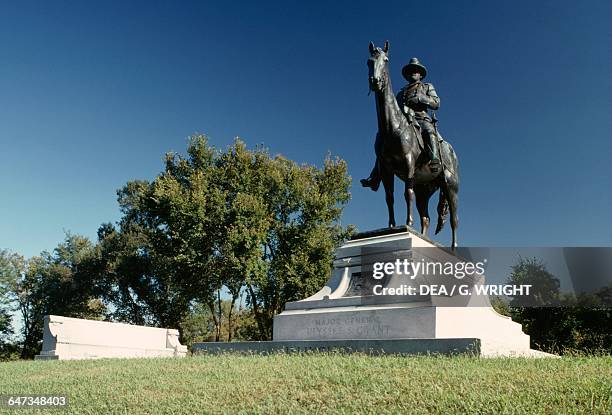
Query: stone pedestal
[[346, 309], [346, 314]]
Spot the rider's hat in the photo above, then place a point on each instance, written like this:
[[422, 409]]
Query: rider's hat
[[414, 65]]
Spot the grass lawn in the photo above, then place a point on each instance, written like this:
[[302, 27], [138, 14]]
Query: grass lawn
[[318, 383]]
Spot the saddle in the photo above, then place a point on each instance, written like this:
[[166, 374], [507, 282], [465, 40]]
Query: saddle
[[410, 115], [414, 124], [442, 149]]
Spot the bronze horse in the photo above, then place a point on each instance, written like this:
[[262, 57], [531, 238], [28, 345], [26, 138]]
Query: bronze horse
[[400, 152]]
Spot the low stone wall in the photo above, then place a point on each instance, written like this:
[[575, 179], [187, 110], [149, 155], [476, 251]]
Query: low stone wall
[[451, 347], [74, 338]]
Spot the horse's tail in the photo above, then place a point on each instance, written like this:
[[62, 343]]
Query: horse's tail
[[442, 211]]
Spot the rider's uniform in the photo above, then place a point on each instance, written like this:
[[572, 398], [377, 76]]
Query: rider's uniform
[[421, 97]]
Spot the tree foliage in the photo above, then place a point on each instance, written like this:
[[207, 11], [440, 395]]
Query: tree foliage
[[10, 268], [199, 326], [53, 283], [240, 220], [558, 322]]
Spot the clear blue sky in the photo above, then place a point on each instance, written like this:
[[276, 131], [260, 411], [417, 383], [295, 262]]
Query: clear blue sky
[[92, 94]]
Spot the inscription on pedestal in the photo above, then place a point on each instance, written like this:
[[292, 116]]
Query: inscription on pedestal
[[343, 327]]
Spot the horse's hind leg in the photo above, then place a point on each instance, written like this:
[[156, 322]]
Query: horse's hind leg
[[423, 193], [442, 211], [409, 196], [452, 191], [388, 184]]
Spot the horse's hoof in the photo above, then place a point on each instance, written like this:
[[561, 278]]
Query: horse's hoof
[[392, 225]]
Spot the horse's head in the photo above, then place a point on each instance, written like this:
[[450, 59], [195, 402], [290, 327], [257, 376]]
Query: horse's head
[[377, 65]]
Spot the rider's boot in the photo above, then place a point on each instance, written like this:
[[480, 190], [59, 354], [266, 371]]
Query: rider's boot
[[373, 181], [434, 164], [370, 182]]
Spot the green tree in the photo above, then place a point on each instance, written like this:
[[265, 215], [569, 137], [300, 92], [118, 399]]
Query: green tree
[[162, 256], [199, 325], [12, 269], [304, 205], [544, 285], [58, 283], [235, 220], [11, 266], [538, 313], [559, 322]]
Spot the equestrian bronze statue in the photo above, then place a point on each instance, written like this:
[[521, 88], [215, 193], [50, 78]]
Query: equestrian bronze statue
[[409, 146]]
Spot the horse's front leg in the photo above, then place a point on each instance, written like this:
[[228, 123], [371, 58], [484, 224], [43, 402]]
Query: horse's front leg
[[388, 184], [408, 188], [409, 196]]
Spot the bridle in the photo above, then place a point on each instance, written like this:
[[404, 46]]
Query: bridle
[[382, 82]]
